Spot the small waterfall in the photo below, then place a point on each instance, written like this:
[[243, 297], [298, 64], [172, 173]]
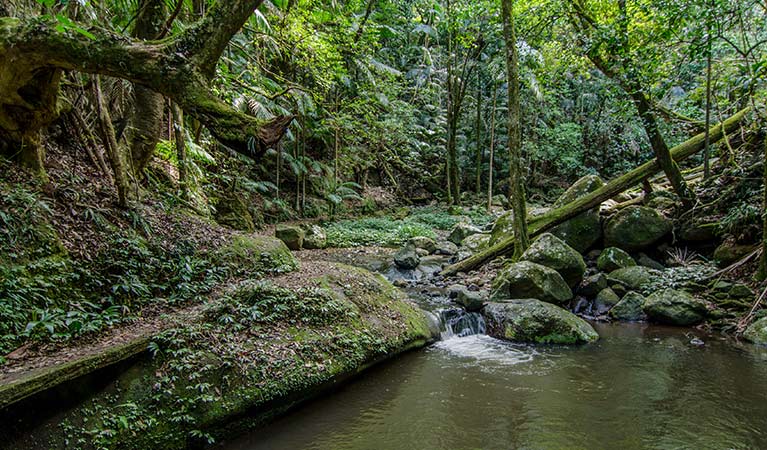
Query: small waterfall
[[456, 322]]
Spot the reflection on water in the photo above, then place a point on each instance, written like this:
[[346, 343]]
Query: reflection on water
[[639, 387]]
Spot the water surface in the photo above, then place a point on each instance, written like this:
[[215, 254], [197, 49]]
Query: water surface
[[639, 387]]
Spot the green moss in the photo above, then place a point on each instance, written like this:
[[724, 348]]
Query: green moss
[[255, 254], [258, 351]]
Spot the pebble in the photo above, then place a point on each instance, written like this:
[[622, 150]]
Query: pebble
[[697, 342]]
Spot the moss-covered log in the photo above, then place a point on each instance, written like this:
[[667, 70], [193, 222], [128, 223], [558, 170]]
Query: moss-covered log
[[585, 203], [179, 68]]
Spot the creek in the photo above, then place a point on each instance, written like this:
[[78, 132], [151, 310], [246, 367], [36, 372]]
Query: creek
[[639, 387]]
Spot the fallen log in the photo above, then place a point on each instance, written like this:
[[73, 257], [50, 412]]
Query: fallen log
[[594, 199]]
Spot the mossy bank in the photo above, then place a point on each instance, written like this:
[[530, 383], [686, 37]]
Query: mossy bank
[[257, 351]]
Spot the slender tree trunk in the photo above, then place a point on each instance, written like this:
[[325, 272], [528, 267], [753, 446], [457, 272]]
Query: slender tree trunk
[[707, 150], [279, 166], [178, 128], [492, 150], [516, 184], [661, 150], [761, 273], [478, 159], [148, 105], [296, 152], [110, 144]]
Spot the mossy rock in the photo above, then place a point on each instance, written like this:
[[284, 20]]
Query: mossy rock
[[252, 254], [233, 212], [613, 258], [585, 229], [425, 243], [593, 285], [629, 309], [291, 235], [757, 332], [729, 252], [407, 257], [674, 307], [634, 278], [503, 226], [461, 231], [534, 321], [550, 251], [605, 301], [635, 228], [530, 280], [315, 238], [476, 242]]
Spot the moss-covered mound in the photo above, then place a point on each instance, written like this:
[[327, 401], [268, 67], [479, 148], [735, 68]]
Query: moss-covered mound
[[257, 351]]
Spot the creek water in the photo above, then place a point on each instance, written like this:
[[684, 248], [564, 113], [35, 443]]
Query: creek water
[[640, 387]]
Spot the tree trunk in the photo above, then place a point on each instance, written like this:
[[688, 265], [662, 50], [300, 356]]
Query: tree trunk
[[707, 150], [595, 198], [34, 51], [178, 128], [27, 105], [492, 150], [478, 158], [110, 144], [146, 118], [660, 148], [761, 273], [516, 184]]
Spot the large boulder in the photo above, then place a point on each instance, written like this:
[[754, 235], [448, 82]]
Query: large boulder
[[552, 252], [476, 242], [503, 227], [446, 248], [461, 231], [730, 251], [470, 300], [674, 307], [613, 258], [407, 258], [530, 280], [634, 278], [592, 285], [315, 237], [629, 309], [636, 228], [757, 332], [531, 320], [292, 236], [425, 243], [606, 299], [583, 230]]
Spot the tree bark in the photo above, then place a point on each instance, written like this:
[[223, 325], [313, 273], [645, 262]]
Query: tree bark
[[477, 125], [492, 150], [707, 150], [761, 273], [516, 183], [146, 118], [178, 132], [110, 144], [593, 199]]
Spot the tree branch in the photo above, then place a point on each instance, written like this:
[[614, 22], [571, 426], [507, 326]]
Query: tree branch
[[26, 46]]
